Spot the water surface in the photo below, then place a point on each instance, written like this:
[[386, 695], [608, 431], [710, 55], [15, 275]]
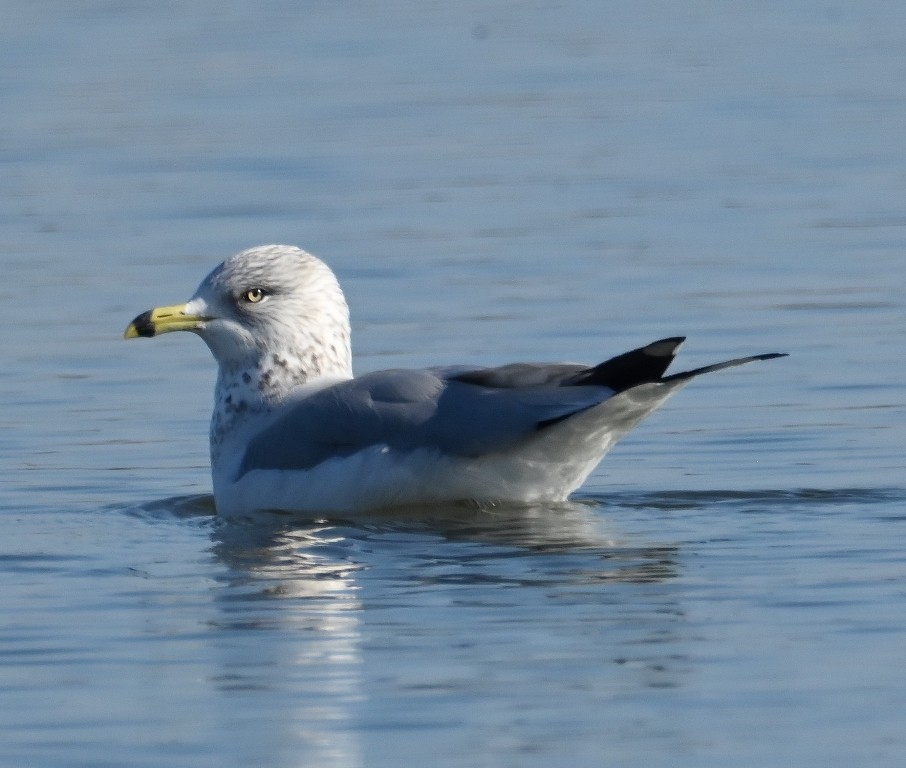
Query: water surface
[[491, 183]]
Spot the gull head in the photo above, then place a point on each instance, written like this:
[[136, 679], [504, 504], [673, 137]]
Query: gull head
[[274, 318]]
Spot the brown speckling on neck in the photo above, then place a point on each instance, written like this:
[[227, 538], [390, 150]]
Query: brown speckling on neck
[[231, 405]]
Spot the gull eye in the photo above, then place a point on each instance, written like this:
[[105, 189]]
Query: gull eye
[[254, 295]]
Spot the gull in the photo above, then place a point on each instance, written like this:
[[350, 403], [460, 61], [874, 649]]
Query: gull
[[292, 429]]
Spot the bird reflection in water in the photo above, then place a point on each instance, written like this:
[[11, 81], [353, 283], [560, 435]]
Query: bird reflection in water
[[323, 624]]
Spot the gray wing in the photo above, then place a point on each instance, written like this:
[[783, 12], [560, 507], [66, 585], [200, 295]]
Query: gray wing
[[457, 411], [440, 409]]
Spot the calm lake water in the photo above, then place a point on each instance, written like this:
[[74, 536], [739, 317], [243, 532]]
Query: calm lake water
[[491, 182]]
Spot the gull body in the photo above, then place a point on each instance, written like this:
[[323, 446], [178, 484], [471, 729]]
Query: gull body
[[293, 429]]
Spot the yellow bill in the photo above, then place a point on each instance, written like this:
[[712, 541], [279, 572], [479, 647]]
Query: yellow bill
[[163, 320]]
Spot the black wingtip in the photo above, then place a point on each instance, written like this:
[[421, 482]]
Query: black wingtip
[[632, 368], [664, 347], [771, 355], [721, 366]]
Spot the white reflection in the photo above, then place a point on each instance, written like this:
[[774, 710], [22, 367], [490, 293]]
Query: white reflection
[[291, 617]]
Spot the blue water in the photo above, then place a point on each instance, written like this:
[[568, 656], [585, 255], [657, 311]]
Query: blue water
[[550, 181]]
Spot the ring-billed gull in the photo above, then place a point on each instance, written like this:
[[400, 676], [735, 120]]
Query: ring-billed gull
[[292, 429]]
